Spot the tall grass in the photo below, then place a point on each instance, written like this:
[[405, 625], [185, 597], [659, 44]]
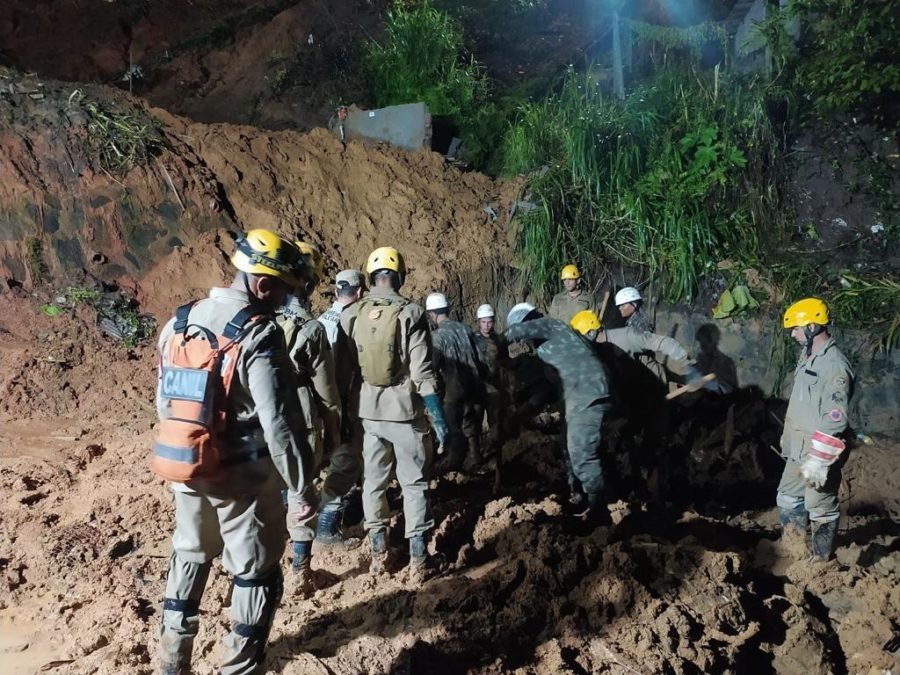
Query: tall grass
[[422, 58], [673, 179]]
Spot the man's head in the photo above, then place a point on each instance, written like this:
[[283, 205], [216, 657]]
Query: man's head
[[587, 323], [349, 285], [808, 321], [386, 268], [269, 267], [437, 307], [628, 301], [571, 277], [522, 312], [485, 315]]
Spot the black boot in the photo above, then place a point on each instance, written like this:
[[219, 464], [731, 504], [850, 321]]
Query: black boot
[[823, 535], [378, 541], [301, 583], [418, 558], [328, 530], [796, 518]]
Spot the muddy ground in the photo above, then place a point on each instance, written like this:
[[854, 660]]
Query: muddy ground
[[699, 584]]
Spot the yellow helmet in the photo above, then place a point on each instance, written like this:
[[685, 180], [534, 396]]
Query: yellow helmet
[[806, 311], [570, 272], [314, 261], [386, 258], [265, 253], [585, 321]]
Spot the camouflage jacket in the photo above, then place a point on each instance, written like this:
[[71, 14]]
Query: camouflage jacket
[[565, 306], [456, 358], [581, 373]]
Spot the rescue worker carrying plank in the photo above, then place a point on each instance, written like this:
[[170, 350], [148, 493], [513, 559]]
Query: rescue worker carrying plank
[[456, 362], [585, 391], [814, 426], [390, 346], [230, 437], [317, 390], [572, 299]]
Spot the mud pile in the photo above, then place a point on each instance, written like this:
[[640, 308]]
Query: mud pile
[[66, 217], [524, 586]]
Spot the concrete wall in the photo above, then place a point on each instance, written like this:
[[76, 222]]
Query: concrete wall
[[875, 407]]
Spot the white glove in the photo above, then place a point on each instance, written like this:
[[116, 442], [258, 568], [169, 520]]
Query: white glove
[[824, 451]]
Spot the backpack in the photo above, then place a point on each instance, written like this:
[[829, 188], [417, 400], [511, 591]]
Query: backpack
[[195, 386], [376, 338]]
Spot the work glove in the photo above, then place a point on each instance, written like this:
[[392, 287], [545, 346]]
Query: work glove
[[824, 451], [436, 412]]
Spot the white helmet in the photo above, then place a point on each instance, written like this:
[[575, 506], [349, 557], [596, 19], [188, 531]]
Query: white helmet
[[436, 301], [628, 294], [518, 313], [485, 312]]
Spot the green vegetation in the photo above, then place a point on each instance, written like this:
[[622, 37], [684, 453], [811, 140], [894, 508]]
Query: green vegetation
[[118, 314], [223, 32], [675, 178], [34, 256], [422, 58], [118, 140]]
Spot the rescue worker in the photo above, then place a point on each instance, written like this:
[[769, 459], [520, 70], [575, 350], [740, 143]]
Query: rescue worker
[[456, 362], [814, 425], [585, 391], [572, 299], [345, 467], [234, 505], [349, 286], [643, 393], [310, 354], [636, 342], [390, 346], [629, 302], [492, 352]]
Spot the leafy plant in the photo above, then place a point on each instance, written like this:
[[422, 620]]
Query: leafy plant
[[679, 175], [34, 256], [117, 139], [422, 58]]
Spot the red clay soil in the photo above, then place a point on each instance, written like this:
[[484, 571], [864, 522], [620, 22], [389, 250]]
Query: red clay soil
[[523, 586]]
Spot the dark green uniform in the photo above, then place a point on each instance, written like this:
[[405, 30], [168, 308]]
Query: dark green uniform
[[492, 352], [456, 360], [585, 391]]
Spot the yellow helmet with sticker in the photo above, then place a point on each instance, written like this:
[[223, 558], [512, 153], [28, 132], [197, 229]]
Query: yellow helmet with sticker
[[265, 253], [806, 311], [585, 321], [570, 272]]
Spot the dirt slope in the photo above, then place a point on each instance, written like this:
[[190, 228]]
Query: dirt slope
[[63, 216]]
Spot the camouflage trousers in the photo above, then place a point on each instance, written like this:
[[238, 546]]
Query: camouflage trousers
[[582, 441]]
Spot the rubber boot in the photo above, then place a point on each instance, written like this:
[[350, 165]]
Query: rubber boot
[[328, 530], [473, 456], [823, 535], [378, 541], [301, 583], [793, 521], [418, 559], [174, 669], [597, 513]]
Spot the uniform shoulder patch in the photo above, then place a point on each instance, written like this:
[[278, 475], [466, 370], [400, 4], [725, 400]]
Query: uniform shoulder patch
[[836, 414]]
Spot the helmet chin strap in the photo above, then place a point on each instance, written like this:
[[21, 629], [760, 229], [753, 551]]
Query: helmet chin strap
[[810, 331]]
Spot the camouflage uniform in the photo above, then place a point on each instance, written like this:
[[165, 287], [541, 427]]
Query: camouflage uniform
[[585, 390], [492, 352], [456, 360], [564, 305], [822, 388]]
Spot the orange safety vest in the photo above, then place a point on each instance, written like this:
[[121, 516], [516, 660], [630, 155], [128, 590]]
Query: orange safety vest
[[194, 387]]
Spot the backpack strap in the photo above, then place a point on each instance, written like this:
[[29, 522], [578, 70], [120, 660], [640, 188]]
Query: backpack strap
[[234, 327], [181, 317]]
